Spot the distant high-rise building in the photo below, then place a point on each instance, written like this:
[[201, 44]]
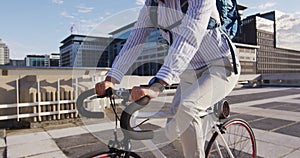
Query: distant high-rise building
[[85, 51], [4, 53]]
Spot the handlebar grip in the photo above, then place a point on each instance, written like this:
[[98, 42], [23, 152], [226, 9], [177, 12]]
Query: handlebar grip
[[108, 92], [82, 111], [125, 121]]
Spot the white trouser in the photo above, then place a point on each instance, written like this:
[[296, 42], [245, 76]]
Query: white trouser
[[198, 90]]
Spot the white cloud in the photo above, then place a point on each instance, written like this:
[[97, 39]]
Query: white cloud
[[266, 5], [288, 30], [101, 25], [289, 40], [264, 24], [67, 15], [140, 2], [115, 21], [85, 26], [88, 25], [287, 22], [84, 9], [58, 1]]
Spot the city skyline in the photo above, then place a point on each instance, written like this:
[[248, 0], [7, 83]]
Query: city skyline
[[37, 27]]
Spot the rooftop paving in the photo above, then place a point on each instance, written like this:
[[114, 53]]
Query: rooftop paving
[[272, 112]]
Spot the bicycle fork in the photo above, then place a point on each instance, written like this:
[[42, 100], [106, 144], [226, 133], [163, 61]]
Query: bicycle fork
[[148, 143], [217, 129]]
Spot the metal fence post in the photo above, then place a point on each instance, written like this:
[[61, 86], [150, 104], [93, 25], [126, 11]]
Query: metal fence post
[[58, 98], [18, 99], [39, 98], [54, 105], [76, 95]]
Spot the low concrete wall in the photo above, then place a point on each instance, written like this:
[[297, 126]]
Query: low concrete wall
[[36, 95], [284, 79]]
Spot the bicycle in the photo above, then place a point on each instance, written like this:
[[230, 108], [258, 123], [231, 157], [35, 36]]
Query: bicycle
[[230, 137]]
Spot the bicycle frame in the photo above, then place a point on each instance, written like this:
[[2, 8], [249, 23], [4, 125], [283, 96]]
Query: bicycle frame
[[209, 113]]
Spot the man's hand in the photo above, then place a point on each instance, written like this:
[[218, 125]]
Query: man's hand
[[101, 87], [140, 92]]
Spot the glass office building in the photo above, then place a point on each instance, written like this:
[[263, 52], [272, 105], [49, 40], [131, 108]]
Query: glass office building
[[37, 60], [85, 51], [152, 56]]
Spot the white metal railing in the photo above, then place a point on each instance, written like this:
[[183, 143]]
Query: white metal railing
[[62, 103], [38, 107], [20, 105]]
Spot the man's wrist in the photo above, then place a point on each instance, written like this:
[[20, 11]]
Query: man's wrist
[[111, 79], [162, 82], [157, 84]]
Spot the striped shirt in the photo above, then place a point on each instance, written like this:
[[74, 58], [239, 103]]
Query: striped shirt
[[194, 46]]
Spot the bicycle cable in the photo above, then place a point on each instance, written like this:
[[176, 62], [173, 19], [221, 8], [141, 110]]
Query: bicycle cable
[[113, 105]]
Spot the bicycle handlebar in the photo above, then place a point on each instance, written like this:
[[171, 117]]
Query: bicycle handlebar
[[125, 121], [125, 116], [82, 111], [108, 93]]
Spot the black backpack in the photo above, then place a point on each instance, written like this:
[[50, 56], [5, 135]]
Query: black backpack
[[230, 21], [228, 11]]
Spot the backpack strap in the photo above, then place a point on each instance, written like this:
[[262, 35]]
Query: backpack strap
[[154, 20], [184, 6], [235, 70], [153, 12]]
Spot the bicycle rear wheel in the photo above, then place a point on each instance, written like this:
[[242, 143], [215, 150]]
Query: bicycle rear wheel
[[238, 135], [112, 154]]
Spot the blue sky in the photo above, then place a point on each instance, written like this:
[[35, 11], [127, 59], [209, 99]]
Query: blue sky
[[38, 26]]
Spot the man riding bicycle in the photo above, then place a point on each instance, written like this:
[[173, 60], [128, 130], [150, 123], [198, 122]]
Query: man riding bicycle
[[198, 57]]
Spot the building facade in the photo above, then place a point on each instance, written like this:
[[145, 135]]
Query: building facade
[[247, 56], [152, 56], [17, 63], [37, 60], [54, 60], [4, 53], [156, 48], [86, 51], [260, 29]]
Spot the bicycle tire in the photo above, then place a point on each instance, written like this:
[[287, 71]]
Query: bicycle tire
[[111, 154], [239, 137]]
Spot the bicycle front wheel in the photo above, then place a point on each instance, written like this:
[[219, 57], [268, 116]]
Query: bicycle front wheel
[[238, 136], [112, 154]]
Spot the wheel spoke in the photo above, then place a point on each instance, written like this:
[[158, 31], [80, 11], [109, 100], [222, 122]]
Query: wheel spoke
[[239, 138]]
